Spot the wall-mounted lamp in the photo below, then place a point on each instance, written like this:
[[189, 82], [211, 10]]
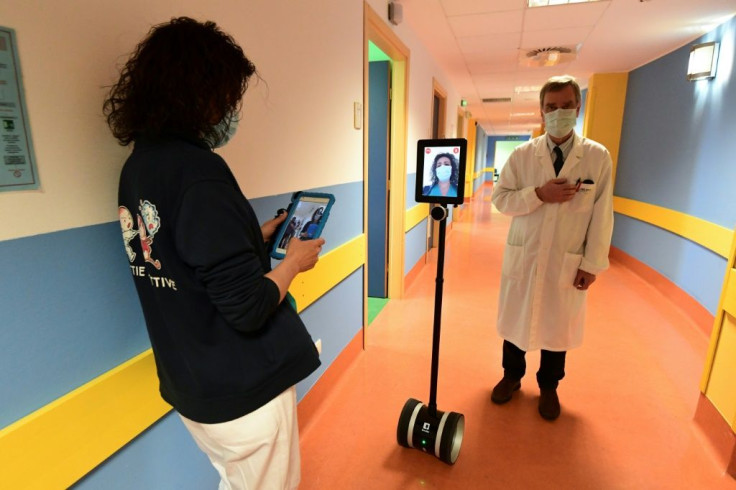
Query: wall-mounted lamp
[[703, 61]]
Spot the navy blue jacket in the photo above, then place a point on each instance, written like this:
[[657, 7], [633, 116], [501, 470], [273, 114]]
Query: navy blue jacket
[[223, 343]]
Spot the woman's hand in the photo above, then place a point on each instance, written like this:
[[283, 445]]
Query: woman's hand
[[269, 227], [304, 254], [301, 256]]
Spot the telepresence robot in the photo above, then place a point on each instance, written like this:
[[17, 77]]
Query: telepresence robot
[[422, 426]]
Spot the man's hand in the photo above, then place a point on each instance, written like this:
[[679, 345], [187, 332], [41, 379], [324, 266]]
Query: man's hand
[[556, 190], [269, 227], [583, 280]]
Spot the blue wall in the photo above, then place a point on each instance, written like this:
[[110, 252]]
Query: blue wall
[[677, 151], [68, 298]]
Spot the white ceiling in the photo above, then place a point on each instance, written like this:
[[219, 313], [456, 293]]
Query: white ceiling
[[479, 44]]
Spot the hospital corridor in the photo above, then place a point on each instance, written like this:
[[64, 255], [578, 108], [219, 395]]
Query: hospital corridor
[[628, 398], [166, 325]]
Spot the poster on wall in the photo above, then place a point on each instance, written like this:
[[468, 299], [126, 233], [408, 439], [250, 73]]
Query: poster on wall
[[17, 162]]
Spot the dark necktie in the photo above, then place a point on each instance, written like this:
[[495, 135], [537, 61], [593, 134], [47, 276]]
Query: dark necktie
[[559, 160]]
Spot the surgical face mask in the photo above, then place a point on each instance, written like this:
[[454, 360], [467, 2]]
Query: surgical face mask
[[443, 173], [559, 123], [225, 130]]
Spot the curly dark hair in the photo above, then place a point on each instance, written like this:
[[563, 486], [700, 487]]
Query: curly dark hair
[[454, 177], [182, 79]]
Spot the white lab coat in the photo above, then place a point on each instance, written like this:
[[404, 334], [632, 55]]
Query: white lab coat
[[539, 308]]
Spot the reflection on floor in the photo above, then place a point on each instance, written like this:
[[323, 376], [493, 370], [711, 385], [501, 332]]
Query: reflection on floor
[[627, 401]]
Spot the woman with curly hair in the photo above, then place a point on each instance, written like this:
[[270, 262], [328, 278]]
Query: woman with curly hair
[[445, 175], [228, 348]]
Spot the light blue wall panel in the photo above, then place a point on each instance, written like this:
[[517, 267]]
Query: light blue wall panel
[[69, 313], [411, 182], [416, 245], [697, 271], [336, 318], [677, 151], [677, 143], [165, 457]]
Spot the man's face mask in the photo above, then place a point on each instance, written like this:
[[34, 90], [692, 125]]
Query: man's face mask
[[559, 123]]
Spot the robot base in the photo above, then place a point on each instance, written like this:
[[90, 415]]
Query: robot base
[[440, 433]]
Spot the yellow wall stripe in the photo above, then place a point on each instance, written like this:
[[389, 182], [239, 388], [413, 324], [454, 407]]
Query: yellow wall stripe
[[415, 215], [331, 268], [710, 235], [63, 441], [58, 444]]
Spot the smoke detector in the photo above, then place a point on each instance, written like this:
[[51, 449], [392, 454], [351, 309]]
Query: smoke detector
[[550, 56]]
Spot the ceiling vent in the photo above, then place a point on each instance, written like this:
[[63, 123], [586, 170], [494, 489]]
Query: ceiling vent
[[551, 56], [497, 99]]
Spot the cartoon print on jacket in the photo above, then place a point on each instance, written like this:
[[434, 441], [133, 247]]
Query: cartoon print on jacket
[[148, 224], [126, 224]]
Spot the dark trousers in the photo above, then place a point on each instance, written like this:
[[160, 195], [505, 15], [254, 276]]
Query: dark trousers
[[551, 365]]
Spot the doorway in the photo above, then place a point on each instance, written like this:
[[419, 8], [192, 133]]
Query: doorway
[[388, 273], [379, 164]]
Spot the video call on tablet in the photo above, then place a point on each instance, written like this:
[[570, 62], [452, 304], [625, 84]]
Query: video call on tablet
[[441, 170], [307, 215]]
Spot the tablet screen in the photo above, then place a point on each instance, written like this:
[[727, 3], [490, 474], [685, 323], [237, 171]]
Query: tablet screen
[[441, 171], [306, 218]]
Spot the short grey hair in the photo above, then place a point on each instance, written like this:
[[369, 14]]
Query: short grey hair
[[555, 84]]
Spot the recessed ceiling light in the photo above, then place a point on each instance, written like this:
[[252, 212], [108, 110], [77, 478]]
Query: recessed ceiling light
[[528, 88], [547, 3]]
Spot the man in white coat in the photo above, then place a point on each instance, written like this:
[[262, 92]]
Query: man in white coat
[[558, 188]]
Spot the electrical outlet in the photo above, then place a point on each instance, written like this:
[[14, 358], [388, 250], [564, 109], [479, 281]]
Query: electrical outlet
[[318, 345]]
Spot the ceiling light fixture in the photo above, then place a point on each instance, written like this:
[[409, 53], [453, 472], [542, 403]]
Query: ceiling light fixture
[[528, 88], [549, 3], [550, 56]]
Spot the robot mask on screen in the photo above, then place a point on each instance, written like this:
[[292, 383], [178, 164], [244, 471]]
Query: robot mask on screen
[[422, 426]]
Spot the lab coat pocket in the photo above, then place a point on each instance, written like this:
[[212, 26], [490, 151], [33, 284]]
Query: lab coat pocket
[[513, 261], [569, 269], [584, 199]]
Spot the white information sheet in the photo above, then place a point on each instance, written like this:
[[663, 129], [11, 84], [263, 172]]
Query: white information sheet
[[17, 162]]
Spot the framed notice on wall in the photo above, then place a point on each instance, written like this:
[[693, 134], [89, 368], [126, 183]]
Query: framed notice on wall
[[17, 161]]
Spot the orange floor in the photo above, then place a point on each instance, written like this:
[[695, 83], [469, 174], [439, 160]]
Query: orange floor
[[628, 399]]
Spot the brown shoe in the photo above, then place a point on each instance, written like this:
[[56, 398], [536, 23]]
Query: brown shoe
[[549, 404], [504, 389]]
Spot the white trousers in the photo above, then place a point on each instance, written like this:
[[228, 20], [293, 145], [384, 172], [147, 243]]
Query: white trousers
[[259, 451]]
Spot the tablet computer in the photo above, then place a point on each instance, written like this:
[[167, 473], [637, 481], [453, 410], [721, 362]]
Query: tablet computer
[[306, 217], [441, 171]]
